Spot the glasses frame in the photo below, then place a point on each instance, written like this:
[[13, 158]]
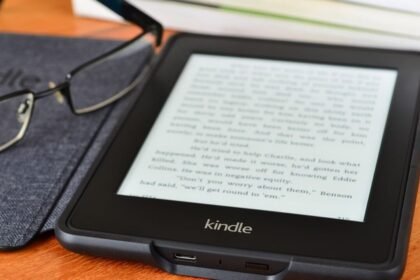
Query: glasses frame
[[129, 13], [27, 117]]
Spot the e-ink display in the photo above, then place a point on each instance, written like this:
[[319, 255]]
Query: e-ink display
[[291, 137]]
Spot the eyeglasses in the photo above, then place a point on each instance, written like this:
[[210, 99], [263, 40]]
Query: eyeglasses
[[16, 108]]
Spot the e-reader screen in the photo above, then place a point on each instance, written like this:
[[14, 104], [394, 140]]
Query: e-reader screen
[[272, 135]]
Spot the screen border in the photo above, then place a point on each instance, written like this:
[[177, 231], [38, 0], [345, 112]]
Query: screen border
[[99, 209]]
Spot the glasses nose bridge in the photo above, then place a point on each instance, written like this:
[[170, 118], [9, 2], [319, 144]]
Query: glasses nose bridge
[[62, 87]]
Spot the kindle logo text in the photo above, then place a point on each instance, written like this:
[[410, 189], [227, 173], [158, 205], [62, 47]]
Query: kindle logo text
[[238, 227]]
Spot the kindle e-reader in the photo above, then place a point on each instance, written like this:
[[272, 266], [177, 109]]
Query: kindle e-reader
[[252, 159]]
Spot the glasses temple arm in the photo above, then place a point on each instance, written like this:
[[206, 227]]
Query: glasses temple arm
[[134, 15]]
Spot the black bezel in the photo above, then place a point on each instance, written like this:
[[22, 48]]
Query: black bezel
[[100, 210]]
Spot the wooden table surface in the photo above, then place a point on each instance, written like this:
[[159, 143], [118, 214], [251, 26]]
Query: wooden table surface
[[45, 258]]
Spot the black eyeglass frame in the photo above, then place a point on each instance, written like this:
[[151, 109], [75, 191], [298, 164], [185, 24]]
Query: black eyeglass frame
[[129, 13]]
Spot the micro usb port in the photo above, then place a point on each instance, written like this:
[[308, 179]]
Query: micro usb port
[[185, 258], [257, 266]]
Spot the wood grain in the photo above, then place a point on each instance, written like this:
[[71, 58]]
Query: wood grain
[[45, 258]]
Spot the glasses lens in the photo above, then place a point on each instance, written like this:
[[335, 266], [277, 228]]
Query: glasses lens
[[101, 83], [15, 113]]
